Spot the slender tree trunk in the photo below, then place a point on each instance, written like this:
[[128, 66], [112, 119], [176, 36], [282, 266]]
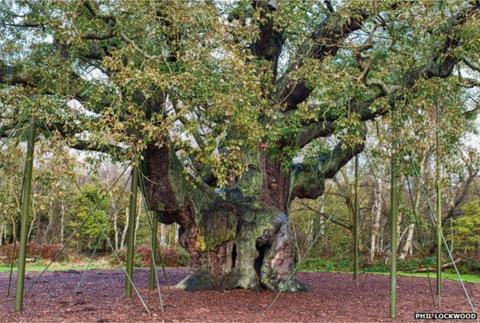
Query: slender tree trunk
[[310, 231], [162, 235], [114, 215], [137, 220], [50, 223], [407, 248], [381, 244], [399, 219], [14, 230], [15, 220], [321, 221], [377, 212], [115, 228], [125, 229], [415, 197], [177, 234], [62, 222], [32, 223]]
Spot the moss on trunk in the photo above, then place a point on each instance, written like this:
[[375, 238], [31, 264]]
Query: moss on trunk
[[235, 240]]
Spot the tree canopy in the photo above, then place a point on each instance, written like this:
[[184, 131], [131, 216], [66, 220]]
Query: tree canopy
[[221, 77]]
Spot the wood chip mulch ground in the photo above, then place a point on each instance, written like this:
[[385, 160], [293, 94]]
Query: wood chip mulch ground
[[331, 297]]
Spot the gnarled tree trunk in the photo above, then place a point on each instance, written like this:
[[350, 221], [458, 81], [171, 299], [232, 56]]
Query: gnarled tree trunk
[[235, 240]]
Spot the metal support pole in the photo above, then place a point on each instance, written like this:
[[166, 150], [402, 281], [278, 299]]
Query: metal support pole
[[394, 194], [439, 207], [152, 276], [356, 223], [132, 214], [26, 211]]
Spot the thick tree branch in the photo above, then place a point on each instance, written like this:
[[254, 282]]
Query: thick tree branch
[[460, 194], [470, 64], [95, 12], [327, 40], [326, 126], [109, 20], [99, 36], [328, 4], [340, 156], [87, 145], [441, 64], [313, 131], [268, 45], [308, 180], [364, 64], [5, 131], [270, 41], [23, 25]]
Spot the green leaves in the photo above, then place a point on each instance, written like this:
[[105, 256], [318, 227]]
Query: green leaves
[[465, 232], [91, 209], [116, 76]]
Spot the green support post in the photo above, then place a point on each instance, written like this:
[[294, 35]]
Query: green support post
[[26, 211], [356, 222], [132, 214], [439, 208], [394, 199], [153, 262]]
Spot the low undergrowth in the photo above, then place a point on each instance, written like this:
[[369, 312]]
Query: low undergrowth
[[34, 251], [469, 268], [79, 264], [167, 257]]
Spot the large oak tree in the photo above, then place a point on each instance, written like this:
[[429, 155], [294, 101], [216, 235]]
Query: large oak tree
[[219, 98]]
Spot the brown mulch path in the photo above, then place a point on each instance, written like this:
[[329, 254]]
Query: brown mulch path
[[331, 297]]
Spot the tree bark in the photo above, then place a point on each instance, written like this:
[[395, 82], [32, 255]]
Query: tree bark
[[377, 211], [125, 228], [234, 240], [62, 222], [48, 229], [163, 236], [137, 220], [115, 228], [408, 245], [14, 231], [32, 223]]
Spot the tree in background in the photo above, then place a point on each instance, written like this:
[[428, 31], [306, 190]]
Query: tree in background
[[465, 235], [10, 172], [54, 184]]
